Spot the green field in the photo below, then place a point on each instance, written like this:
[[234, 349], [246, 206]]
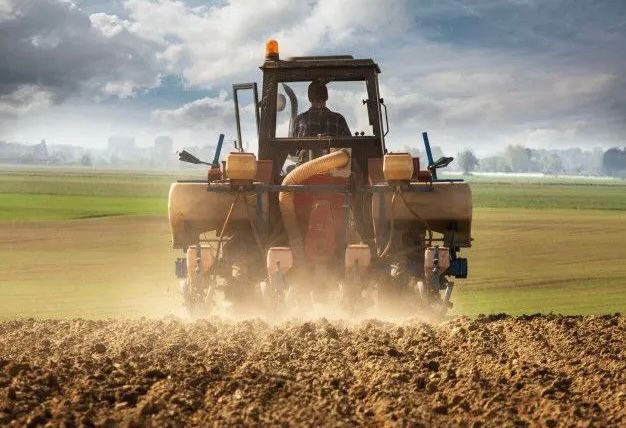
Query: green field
[[96, 244], [77, 194]]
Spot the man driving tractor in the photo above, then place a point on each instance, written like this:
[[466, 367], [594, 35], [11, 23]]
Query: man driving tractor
[[319, 120]]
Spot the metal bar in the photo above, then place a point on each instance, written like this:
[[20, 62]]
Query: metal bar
[[429, 155], [329, 188], [382, 102], [237, 120], [325, 142], [259, 214], [372, 79], [244, 85], [408, 187], [227, 188], [338, 188], [258, 187], [304, 188], [218, 150], [448, 293], [255, 93], [225, 239], [383, 220], [256, 110], [346, 216]]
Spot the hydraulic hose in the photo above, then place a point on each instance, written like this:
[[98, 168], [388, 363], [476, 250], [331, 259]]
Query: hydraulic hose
[[321, 165]]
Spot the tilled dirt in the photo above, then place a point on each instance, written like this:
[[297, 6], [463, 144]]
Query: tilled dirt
[[492, 371]]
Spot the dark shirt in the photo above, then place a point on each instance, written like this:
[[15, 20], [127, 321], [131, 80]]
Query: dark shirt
[[316, 121]]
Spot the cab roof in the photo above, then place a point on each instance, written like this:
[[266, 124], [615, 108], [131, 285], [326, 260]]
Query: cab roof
[[328, 61]]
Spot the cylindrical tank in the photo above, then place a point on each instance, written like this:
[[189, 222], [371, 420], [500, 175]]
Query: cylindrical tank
[[429, 258], [439, 204], [358, 253], [193, 210], [206, 259], [281, 257], [398, 167], [241, 166]]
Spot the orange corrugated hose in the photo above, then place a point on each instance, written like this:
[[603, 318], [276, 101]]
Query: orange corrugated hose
[[322, 165]]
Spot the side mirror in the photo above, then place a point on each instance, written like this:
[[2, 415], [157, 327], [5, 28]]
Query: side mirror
[[281, 102], [442, 162]]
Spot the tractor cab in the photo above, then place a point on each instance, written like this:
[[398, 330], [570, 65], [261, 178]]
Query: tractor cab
[[353, 92]]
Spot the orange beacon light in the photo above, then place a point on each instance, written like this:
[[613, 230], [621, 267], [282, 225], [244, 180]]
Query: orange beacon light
[[271, 50]]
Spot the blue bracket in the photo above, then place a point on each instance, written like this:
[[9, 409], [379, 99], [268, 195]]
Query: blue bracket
[[458, 267], [429, 154], [218, 150]]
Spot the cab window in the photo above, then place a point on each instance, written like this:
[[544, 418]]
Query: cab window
[[344, 98]]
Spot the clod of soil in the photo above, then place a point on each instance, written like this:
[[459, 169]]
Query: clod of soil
[[549, 371]]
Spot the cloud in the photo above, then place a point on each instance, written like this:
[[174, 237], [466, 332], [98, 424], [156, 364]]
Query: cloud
[[215, 112], [26, 99], [209, 45], [486, 97], [479, 72], [6, 10], [54, 46], [498, 98], [108, 25]]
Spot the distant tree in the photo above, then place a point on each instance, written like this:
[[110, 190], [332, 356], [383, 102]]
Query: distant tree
[[614, 161], [85, 160], [595, 160], [163, 153], [551, 164], [495, 163], [519, 158], [467, 161], [40, 151]]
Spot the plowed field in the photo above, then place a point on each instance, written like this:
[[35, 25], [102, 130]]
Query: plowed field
[[490, 371]]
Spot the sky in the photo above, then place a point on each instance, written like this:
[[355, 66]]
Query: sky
[[476, 74]]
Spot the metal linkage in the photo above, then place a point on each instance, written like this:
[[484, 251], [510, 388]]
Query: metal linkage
[[326, 188]]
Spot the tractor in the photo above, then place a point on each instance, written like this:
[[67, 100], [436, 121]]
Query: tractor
[[318, 219]]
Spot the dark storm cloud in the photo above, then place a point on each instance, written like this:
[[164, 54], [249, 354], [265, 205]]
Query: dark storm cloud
[[53, 46]]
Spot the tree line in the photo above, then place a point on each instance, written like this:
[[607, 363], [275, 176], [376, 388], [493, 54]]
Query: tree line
[[520, 159]]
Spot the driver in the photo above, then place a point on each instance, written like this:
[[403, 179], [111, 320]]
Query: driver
[[319, 120]]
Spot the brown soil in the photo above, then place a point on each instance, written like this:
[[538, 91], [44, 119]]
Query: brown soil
[[492, 371]]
